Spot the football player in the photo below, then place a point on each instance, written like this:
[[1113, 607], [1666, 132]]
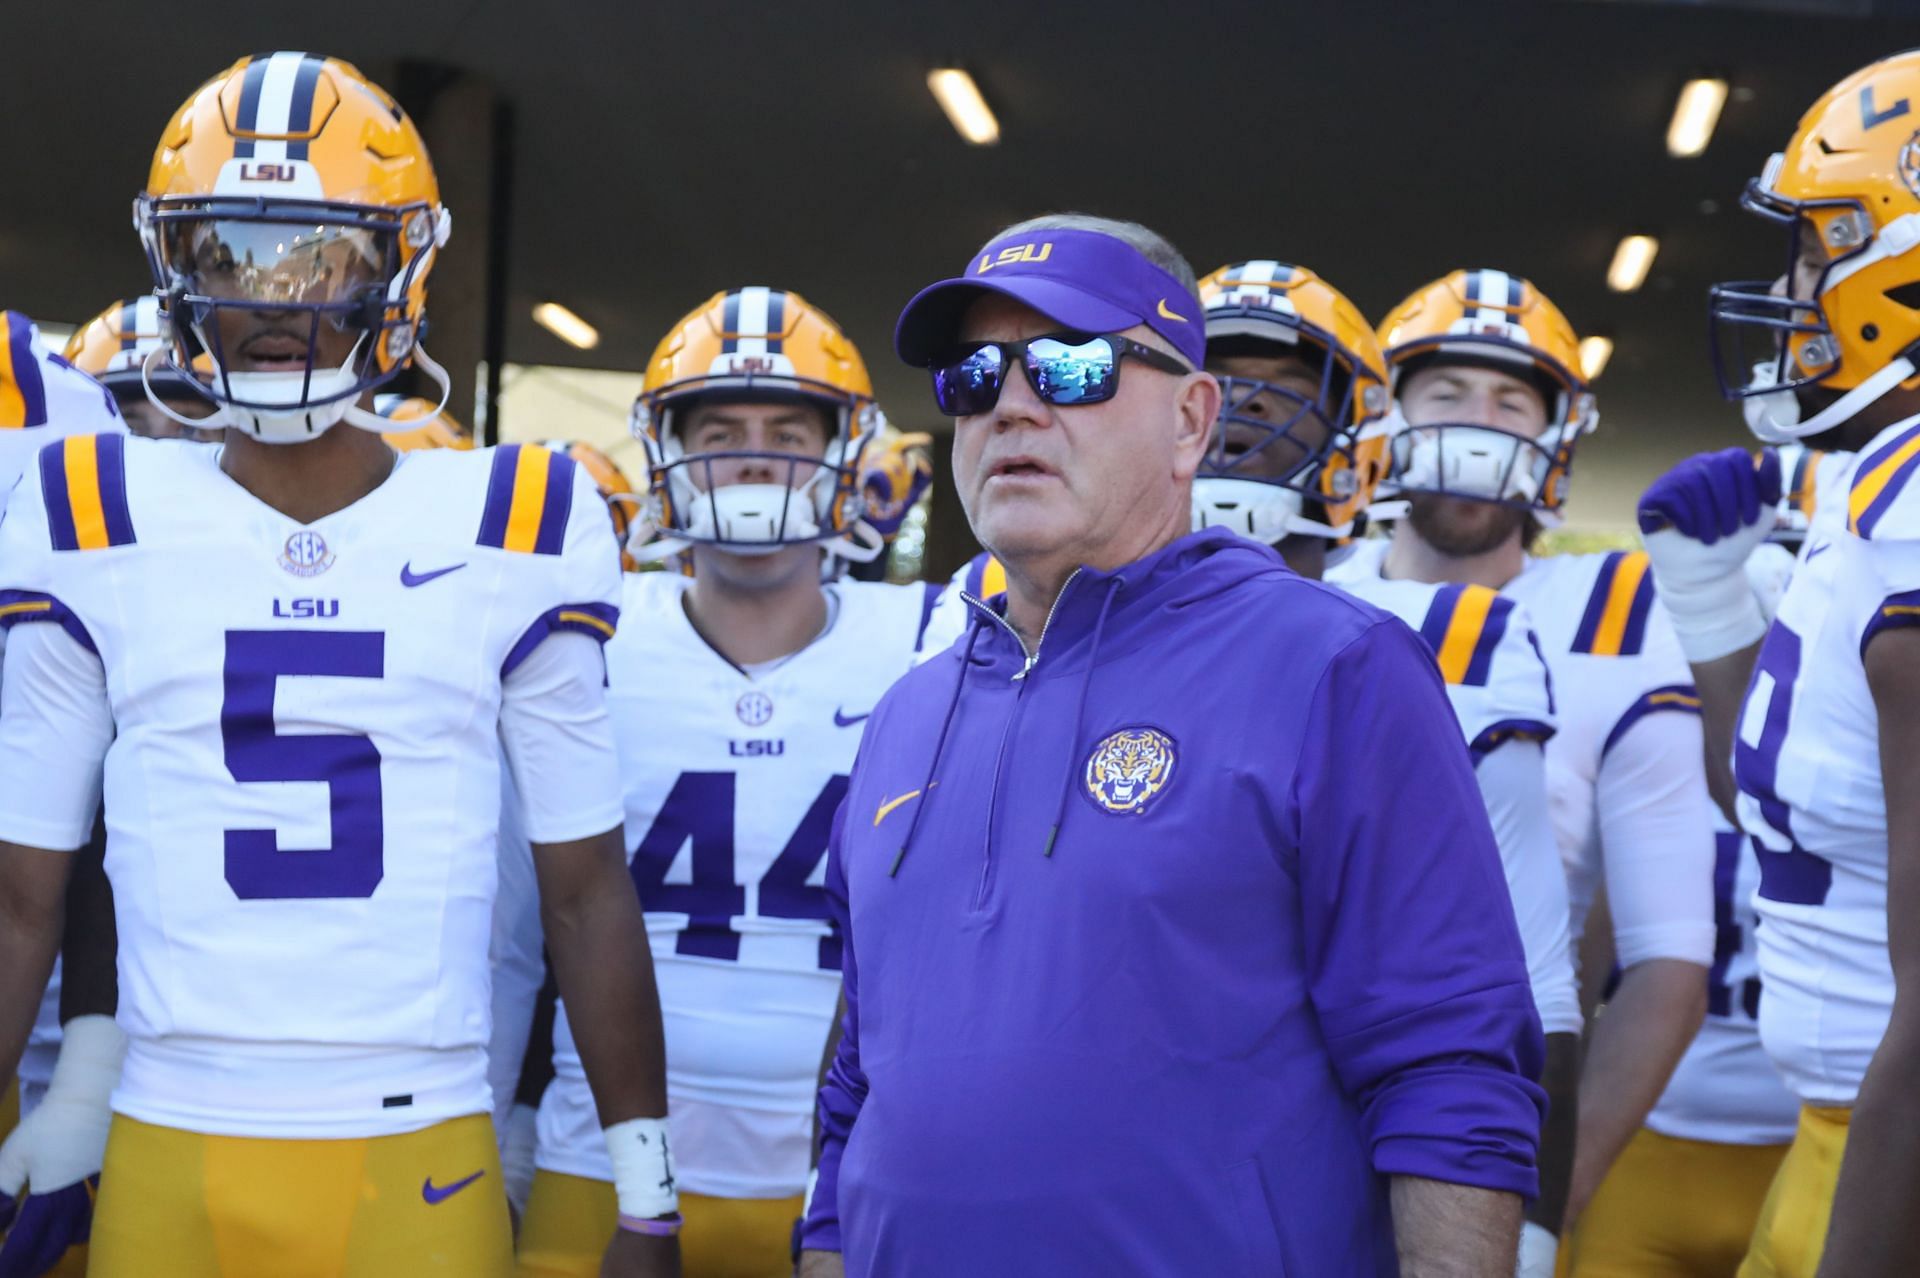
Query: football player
[[44, 398], [1683, 1197], [118, 348], [297, 658], [1299, 448], [1488, 408], [1823, 750], [739, 692]]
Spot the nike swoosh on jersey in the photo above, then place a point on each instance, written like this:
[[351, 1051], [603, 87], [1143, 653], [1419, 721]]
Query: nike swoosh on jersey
[[439, 1195], [409, 578], [1817, 551], [841, 719]]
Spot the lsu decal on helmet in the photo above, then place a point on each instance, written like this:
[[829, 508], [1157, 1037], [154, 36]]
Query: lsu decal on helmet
[[623, 503], [1845, 315], [899, 468], [757, 345], [291, 219], [1493, 320], [420, 424], [1298, 449]]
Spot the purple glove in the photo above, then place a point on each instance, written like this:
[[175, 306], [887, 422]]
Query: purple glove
[[44, 1226], [1713, 495]]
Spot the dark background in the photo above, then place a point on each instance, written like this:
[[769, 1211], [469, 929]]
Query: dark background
[[629, 159]]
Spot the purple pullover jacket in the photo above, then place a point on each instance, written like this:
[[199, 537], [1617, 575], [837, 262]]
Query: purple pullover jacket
[[1164, 955]]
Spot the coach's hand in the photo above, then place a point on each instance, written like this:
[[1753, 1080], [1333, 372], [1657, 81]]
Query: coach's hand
[[821, 1264], [1701, 521], [632, 1255]]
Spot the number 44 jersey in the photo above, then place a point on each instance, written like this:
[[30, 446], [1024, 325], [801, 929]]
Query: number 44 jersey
[[732, 778], [303, 782]]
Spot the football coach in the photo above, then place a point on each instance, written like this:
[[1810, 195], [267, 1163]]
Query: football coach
[[1176, 938]]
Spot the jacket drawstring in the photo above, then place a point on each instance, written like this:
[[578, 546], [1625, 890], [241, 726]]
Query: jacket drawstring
[[1079, 714], [939, 745]]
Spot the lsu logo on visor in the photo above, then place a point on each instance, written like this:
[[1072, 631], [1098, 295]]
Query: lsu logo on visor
[[1129, 767], [1018, 253]]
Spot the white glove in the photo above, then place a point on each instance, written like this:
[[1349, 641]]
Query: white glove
[[1539, 1251], [64, 1140], [1700, 522], [516, 1156]]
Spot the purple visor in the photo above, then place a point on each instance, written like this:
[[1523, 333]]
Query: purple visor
[[1083, 280]]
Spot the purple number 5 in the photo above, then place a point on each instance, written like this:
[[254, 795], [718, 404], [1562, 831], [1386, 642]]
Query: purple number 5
[[349, 765]]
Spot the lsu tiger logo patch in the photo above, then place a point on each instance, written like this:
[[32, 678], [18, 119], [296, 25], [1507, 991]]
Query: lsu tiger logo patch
[[1129, 767]]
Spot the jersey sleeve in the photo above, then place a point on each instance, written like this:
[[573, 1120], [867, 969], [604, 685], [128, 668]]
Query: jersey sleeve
[[55, 726], [1513, 782], [1656, 838], [1419, 976], [554, 724], [545, 506]]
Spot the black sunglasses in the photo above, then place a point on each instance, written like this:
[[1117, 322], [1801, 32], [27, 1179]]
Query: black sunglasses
[[1064, 369]]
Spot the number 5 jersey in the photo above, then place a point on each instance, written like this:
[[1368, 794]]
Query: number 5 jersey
[[302, 783], [732, 780]]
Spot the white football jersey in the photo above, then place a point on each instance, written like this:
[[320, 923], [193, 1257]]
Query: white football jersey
[[732, 780], [1626, 769], [303, 790], [1498, 685], [42, 398], [1807, 760]]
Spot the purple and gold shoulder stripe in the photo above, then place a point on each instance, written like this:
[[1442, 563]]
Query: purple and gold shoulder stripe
[[23, 394], [22, 607], [1680, 698], [1878, 481], [1463, 627], [529, 498], [84, 478], [1615, 621]]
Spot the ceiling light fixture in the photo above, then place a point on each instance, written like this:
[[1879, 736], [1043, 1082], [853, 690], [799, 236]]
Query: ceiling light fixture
[[961, 99], [566, 326], [1631, 262], [1595, 351], [1694, 116]]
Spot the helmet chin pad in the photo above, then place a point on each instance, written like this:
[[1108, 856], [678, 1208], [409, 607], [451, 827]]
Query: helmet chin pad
[[1481, 463], [751, 519]]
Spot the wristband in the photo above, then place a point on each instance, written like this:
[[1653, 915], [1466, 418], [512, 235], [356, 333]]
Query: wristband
[[1714, 619], [662, 1227], [1539, 1251], [642, 1168]]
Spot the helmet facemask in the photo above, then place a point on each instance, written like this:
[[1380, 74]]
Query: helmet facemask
[[1277, 454], [807, 499], [1473, 461], [1769, 343], [240, 275]]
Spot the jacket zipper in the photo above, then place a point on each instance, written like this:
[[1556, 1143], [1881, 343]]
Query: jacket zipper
[[1013, 719]]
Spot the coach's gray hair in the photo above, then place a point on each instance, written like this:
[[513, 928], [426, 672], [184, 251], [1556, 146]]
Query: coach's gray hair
[[1146, 241]]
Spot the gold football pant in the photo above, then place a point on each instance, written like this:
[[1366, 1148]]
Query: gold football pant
[[571, 1219], [1792, 1232], [1672, 1208], [177, 1204]]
